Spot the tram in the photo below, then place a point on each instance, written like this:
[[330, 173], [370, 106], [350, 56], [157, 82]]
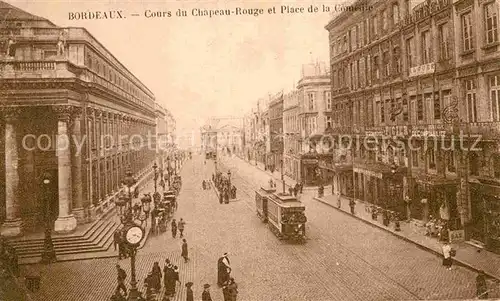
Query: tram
[[261, 196], [284, 214]]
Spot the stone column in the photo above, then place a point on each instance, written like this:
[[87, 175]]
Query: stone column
[[65, 222], [90, 181], [76, 165], [13, 225]]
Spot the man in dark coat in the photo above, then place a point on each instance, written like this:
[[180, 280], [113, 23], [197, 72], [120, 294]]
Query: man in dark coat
[[205, 296], [184, 250], [174, 228], [222, 270]]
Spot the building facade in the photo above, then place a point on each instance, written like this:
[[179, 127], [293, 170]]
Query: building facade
[[291, 129], [223, 134], [314, 92], [274, 158], [69, 110], [426, 74]]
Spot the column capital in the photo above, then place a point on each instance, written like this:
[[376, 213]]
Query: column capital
[[76, 112], [63, 112], [10, 114]]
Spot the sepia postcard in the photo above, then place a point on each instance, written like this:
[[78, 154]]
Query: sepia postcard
[[247, 150]]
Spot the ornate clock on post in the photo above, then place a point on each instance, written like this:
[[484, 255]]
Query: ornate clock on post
[[134, 220]]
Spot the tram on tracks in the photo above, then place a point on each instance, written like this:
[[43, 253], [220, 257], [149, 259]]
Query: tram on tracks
[[283, 213]]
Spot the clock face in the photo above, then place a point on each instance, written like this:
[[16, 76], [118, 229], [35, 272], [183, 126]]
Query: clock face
[[134, 235]]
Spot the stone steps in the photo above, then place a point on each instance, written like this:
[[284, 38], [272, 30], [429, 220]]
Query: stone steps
[[98, 238]]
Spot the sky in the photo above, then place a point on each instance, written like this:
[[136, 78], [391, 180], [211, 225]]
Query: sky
[[199, 66]]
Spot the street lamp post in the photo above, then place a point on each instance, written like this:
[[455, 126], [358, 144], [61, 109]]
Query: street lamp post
[[155, 174], [49, 254], [282, 176], [134, 228]]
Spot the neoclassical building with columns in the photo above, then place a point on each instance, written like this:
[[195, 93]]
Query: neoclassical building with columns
[[70, 111]]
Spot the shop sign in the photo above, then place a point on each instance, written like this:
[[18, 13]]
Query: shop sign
[[423, 69], [428, 131], [457, 236]]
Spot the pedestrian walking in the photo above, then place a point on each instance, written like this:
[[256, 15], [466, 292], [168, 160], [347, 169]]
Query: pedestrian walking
[[122, 275], [301, 187], [169, 280], [180, 226], [481, 286], [189, 292], [204, 185], [233, 289], [290, 190], [223, 269], [174, 228], [296, 189], [116, 239], [352, 204], [184, 250], [175, 278], [447, 261], [156, 272], [205, 296], [221, 198]]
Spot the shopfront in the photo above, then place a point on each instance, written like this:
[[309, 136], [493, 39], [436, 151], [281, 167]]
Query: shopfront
[[435, 198], [311, 174], [485, 211]]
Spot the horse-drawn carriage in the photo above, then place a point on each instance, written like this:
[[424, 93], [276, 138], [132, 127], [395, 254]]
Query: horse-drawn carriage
[[284, 214]]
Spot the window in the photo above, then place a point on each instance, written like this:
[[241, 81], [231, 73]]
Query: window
[[328, 98], [382, 112], [376, 71], [420, 108], [444, 42], [491, 20], [409, 52], [368, 70], [470, 96], [396, 60], [473, 164], [450, 161], [405, 109], [365, 32], [437, 107], [495, 97], [395, 13], [426, 47], [374, 26], [310, 96], [414, 158], [467, 32], [385, 19], [344, 45], [432, 158], [328, 121], [385, 60]]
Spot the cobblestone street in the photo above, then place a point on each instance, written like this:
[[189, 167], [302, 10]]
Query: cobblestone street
[[343, 259]]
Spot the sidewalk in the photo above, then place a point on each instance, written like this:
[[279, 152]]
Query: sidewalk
[[467, 255]]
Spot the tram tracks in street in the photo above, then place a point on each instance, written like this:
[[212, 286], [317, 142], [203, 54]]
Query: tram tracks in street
[[327, 271]]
